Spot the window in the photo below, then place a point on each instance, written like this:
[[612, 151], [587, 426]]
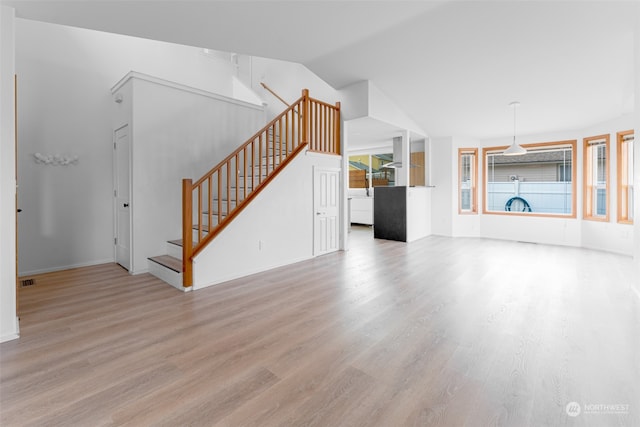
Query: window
[[380, 174], [541, 182], [359, 171], [596, 182], [416, 171], [367, 170], [564, 172], [625, 176], [467, 180]]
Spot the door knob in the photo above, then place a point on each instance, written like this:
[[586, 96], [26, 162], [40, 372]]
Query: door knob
[[126, 205], [19, 210]]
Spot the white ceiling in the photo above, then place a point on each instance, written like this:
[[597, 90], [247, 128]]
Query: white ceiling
[[452, 66]]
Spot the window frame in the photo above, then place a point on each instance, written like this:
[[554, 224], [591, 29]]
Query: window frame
[[367, 175], [623, 217], [474, 181], [573, 143], [587, 178]]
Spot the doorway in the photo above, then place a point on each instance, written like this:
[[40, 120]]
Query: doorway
[[326, 210], [121, 193]]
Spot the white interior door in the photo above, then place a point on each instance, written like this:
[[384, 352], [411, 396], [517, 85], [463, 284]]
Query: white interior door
[[326, 210], [122, 197]]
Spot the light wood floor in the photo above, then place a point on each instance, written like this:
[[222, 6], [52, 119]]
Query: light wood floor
[[437, 332]]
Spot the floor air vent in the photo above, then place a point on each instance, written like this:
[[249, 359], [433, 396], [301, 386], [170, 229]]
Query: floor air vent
[[27, 282]]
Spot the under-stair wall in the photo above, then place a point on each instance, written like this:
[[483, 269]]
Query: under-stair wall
[[275, 229]]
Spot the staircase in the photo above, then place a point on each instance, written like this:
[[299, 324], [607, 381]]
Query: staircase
[[169, 267], [212, 202]]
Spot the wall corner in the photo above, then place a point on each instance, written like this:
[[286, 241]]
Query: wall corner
[[8, 316]]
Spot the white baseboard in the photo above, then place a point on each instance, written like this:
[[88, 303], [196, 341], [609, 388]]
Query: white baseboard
[[9, 337], [12, 336], [248, 272], [65, 267]]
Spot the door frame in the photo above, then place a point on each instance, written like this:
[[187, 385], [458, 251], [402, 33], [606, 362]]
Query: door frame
[[115, 204], [339, 229], [17, 209]]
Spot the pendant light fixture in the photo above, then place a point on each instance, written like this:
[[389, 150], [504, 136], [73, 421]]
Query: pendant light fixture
[[515, 149]]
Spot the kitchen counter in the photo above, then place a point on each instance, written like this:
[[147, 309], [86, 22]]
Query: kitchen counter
[[401, 213], [361, 210]]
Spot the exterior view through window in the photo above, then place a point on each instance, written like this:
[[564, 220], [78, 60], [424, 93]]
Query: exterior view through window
[[625, 176], [596, 182], [366, 170], [540, 182], [467, 180]]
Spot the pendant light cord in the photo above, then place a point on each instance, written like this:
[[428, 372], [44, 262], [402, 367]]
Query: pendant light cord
[[515, 106]]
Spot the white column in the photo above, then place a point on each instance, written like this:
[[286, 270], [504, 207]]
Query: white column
[[403, 147], [443, 196], [344, 230]]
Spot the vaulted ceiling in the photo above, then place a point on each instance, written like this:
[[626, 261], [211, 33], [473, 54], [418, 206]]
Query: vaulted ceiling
[[452, 66]]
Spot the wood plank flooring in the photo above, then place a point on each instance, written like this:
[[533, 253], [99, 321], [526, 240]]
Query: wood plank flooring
[[441, 331]]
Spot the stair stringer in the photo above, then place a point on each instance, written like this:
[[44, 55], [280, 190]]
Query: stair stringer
[[274, 230]]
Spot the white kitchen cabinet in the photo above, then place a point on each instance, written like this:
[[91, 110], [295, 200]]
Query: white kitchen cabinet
[[362, 210]]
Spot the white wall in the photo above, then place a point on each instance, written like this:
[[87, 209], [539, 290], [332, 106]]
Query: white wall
[[65, 107], [444, 188], [418, 212], [8, 320], [175, 133], [383, 108], [356, 100], [276, 229], [287, 79]]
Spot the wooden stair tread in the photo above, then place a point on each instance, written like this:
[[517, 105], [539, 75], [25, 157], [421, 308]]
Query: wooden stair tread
[[178, 242], [168, 261], [205, 229]]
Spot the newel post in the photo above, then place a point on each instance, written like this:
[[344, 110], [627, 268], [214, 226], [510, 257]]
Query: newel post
[[187, 233], [305, 116], [337, 126]]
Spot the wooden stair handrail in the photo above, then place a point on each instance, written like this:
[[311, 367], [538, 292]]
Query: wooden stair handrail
[[264, 85], [275, 145], [239, 149]]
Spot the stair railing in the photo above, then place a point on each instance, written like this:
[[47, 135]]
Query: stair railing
[[213, 201], [272, 92]]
